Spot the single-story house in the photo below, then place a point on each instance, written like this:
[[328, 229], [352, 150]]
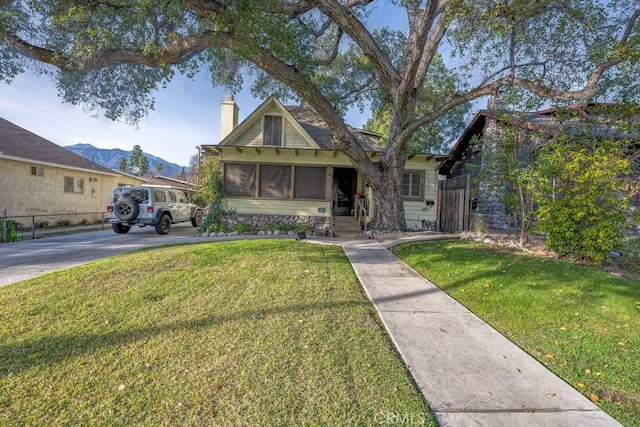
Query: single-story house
[[38, 177], [279, 166], [471, 203]]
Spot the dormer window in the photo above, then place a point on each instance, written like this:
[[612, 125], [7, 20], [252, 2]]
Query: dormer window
[[272, 131]]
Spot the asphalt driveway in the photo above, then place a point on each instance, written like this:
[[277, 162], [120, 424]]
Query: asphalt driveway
[[26, 259]]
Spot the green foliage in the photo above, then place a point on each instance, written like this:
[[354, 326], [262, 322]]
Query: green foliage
[[139, 160], [211, 188], [12, 230], [122, 164], [435, 136], [211, 193], [243, 228], [302, 228], [63, 223], [212, 226], [585, 208], [277, 226], [112, 57]]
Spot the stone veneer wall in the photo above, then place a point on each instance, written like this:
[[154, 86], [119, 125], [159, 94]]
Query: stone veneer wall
[[491, 208], [260, 221]]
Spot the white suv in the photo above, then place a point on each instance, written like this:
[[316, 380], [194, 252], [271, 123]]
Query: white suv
[[157, 206]]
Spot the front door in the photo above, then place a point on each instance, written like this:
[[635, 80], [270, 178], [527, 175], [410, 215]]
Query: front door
[[345, 182]]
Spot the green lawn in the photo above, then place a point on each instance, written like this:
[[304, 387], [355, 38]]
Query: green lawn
[[583, 323], [260, 332]]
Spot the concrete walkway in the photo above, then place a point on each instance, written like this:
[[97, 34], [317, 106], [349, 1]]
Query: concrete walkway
[[469, 373]]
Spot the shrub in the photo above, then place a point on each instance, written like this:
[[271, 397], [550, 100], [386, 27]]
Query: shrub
[[12, 231], [243, 228]]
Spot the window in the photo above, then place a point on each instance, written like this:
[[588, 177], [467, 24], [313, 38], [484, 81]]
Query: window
[[172, 197], [73, 185], [310, 182], [239, 180], [272, 131], [412, 184], [160, 196], [275, 181], [37, 171]]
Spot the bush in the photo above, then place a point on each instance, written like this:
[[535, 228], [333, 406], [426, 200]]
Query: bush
[[585, 211], [12, 231], [243, 228]]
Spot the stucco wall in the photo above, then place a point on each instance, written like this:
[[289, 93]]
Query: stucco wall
[[24, 194]]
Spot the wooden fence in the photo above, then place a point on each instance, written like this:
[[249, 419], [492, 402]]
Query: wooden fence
[[454, 208]]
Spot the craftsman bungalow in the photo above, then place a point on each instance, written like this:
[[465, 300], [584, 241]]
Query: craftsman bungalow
[[279, 166]]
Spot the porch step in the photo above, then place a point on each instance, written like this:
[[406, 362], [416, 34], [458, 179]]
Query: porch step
[[347, 227]]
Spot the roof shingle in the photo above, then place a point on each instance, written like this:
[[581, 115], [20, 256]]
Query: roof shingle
[[18, 142]]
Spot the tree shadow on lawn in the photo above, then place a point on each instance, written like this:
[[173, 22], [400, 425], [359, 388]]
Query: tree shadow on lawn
[[21, 357], [506, 275]]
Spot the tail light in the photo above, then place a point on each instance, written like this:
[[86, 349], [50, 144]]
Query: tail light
[[110, 208], [150, 209]]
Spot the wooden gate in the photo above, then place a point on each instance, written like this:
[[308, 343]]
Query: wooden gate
[[454, 204]]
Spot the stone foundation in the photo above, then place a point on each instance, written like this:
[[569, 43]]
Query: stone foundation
[[261, 221]]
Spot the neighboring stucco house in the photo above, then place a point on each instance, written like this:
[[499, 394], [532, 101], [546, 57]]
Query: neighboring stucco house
[[38, 177], [280, 166]]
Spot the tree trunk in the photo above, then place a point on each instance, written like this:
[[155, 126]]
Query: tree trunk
[[385, 182], [388, 205]]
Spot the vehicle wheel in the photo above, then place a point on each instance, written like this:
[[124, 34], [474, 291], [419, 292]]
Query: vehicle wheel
[[197, 219], [126, 209], [164, 225], [120, 229]]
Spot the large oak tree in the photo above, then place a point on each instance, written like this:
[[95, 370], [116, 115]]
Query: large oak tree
[[112, 55]]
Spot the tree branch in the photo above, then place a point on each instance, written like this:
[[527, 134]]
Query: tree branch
[[344, 19], [172, 53]]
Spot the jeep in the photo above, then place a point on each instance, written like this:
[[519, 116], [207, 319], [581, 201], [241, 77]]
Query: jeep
[[150, 205]]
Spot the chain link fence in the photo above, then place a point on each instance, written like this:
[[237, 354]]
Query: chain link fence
[[25, 227]]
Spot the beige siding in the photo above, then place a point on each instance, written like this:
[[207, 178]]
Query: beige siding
[[292, 138], [24, 194], [251, 137], [417, 211], [280, 156], [279, 207]]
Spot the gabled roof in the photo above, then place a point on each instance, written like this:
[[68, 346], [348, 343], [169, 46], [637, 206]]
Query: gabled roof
[[309, 124], [545, 121], [19, 144]]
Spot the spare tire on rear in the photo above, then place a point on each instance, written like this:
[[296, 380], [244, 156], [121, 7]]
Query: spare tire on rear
[[127, 210]]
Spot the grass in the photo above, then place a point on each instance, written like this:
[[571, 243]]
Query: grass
[[270, 332], [581, 322]]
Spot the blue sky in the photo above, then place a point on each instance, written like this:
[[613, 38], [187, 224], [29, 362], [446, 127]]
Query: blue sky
[[186, 115]]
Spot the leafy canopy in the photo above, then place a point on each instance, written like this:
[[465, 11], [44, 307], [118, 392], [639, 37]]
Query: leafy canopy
[[111, 56]]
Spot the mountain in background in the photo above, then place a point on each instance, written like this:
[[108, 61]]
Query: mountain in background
[[110, 158]]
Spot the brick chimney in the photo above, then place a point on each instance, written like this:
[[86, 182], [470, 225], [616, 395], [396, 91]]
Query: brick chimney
[[229, 116]]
